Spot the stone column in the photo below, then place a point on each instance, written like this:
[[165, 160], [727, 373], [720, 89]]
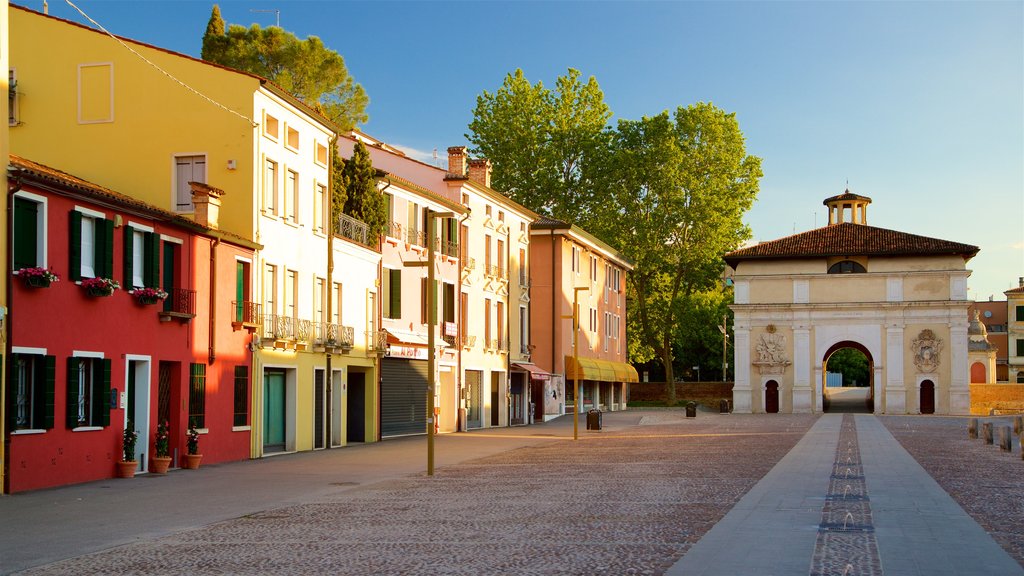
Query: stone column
[[895, 387], [959, 390], [741, 393], [802, 401]]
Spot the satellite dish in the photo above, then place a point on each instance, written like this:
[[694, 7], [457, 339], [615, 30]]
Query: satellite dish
[[988, 313]]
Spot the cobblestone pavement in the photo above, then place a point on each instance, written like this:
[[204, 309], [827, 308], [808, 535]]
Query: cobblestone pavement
[[986, 482], [616, 502]]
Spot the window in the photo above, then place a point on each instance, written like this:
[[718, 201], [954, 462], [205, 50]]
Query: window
[[487, 323], [487, 211], [463, 312], [412, 222], [29, 236], [319, 299], [1020, 313], [291, 196], [523, 275], [501, 216], [291, 289], [524, 332], [500, 310], [270, 289], [91, 245], [12, 98], [320, 154], [270, 187], [593, 268], [846, 267], [448, 302], [392, 293], [187, 169], [141, 258], [88, 393], [176, 301], [576, 260], [319, 208], [197, 395], [464, 244], [271, 126], [336, 305], [487, 254], [501, 258], [593, 320], [243, 311], [33, 391], [1020, 347], [292, 138], [241, 396]]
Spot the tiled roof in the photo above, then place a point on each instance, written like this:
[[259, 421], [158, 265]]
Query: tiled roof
[[34, 171], [1017, 290], [849, 239], [546, 223], [846, 196]]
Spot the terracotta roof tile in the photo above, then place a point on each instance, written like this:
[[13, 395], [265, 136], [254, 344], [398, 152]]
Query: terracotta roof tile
[[846, 196], [849, 239]]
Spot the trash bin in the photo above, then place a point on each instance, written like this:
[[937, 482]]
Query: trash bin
[[723, 406], [691, 409], [594, 420]]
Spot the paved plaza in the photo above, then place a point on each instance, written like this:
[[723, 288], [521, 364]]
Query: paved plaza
[[652, 493]]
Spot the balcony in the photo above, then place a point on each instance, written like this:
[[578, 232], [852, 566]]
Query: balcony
[[452, 341], [376, 341], [353, 229], [246, 315], [286, 332], [468, 264], [469, 342], [495, 271], [336, 336], [180, 305], [497, 345]]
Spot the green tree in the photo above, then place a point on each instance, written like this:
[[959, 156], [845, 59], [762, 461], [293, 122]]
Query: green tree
[[355, 191], [677, 191], [305, 68], [541, 142], [852, 364]]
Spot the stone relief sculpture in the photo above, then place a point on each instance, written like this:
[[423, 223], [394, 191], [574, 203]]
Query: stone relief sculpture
[[771, 352], [927, 348]]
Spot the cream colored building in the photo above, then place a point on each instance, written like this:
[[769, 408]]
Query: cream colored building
[[899, 298], [1015, 332]]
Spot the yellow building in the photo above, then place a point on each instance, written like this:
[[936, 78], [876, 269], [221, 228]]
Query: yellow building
[[1015, 332], [899, 298], [148, 121]]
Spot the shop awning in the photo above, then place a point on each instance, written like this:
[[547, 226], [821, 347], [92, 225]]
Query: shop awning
[[408, 337], [599, 370], [535, 372]]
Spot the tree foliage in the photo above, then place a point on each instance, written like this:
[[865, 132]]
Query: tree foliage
[[355, 190], [543, 143], [852, 364], [678, 187], [305, 68]]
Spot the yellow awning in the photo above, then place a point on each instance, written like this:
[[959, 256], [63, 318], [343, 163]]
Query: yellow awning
[[599, 370]]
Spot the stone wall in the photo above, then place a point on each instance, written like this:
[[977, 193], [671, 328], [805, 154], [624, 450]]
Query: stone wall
[[987, 399]]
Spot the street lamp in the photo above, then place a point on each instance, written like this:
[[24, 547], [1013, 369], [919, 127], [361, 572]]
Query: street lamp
[[431, 325], [576, 359], [724, 329]]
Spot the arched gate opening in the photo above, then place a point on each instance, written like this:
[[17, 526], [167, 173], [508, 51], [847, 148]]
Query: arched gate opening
[[853, 391]]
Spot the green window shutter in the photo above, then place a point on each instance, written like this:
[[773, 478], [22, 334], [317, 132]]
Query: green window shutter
[[26, 233], [71, 418], [101, 392], [239, 298], [75, 245], [48, 373], [169, 275], [151, 249], [105, 247], [129, 256], [396, 293]]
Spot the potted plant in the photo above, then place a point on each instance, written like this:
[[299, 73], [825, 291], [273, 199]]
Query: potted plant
[[162, 459], [193, 457], [146, 296], [37, 277], [127, 466], [100, 287]]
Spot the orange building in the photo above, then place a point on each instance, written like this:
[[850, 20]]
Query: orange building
[[993, 314], [569, 264]]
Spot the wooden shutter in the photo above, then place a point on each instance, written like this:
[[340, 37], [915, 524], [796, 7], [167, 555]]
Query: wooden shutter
[[105, 247], [396, 293], [169, 272], [75, 245], [101, 392], [26, 233], [71, 418], [151, 251], [48, 365], [129, 256]]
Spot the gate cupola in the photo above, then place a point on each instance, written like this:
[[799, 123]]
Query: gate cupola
[[847, 207]]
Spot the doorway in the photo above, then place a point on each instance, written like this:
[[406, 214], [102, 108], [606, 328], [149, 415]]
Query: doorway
[[319, 409], [356, 415], [927, 397], [848, 379], [137, 405], [771, 397], [496, 398], [273, 411], [474, 415]]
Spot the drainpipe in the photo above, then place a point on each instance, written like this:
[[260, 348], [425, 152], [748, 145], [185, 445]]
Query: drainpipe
[[379, 320], [329, 384], [13, 185], [462, 332], [214, 243], [508, 328]]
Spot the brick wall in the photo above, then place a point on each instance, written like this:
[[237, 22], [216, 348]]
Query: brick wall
[[704, 392], [1001, 398]]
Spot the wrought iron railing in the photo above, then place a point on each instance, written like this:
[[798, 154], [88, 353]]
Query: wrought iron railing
[[377, 340], [416, 237], [396, 231], [452, 341], [495, 271], [353, 229], [334, 335], [468, 341], [246, 313], [181, 301], [469, 264]]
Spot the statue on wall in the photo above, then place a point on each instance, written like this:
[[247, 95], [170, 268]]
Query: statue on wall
[[771, 352], [926, 349]]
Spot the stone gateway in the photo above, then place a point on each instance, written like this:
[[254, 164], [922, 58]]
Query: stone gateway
[[899, 298]]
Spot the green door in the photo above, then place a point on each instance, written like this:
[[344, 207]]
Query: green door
[[273, 411]]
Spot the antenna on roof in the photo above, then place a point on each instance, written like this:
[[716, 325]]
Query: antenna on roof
[[277, 13], [46, 7]]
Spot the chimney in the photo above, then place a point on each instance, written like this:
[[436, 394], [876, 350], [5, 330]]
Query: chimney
[[457, 160], [480, 171], [1020, 281], [206, 200]]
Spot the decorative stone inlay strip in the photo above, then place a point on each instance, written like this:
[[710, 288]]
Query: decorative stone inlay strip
[[846, 543]]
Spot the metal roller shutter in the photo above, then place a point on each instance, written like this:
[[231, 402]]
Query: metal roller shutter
[[403, 390]]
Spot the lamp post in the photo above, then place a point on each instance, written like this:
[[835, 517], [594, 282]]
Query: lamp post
[[576, 359], [431, 325], [724, 329]]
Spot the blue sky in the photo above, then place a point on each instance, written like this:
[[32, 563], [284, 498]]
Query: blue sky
[[919, 105]]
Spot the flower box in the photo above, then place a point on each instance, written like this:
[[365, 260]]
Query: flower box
[[37, 277], [149, 296], [100, 287]]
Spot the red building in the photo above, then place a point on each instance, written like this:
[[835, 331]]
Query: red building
[[85, 360]]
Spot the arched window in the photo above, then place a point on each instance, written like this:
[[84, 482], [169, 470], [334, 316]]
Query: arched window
[[846, 267]]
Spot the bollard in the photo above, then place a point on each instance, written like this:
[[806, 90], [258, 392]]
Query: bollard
[[1005, 442], [1018, 424], [986, 432], [972, 428]]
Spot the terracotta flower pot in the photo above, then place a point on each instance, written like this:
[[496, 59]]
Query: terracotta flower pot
[[160, 464], [192, 461], [126, 469]]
